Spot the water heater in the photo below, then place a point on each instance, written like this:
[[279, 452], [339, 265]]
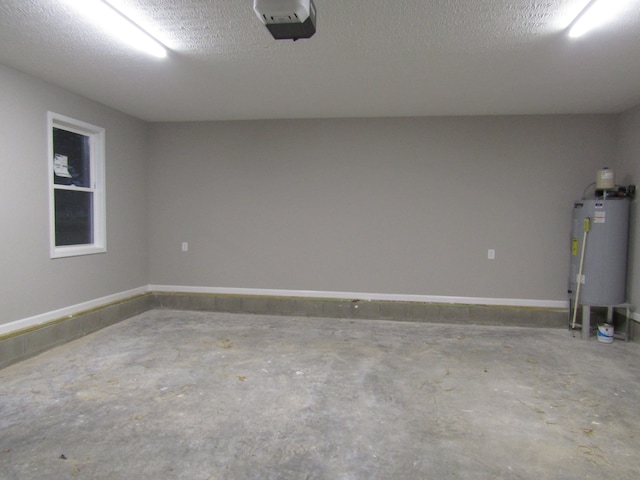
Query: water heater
[[604, 263]]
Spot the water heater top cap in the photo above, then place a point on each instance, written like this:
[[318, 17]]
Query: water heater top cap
[[606, 179]]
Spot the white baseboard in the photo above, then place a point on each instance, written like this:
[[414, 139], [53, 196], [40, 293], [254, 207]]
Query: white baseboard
[[506, 302], [47, 317]]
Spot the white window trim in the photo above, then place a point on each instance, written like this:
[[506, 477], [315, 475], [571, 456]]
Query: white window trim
[[97, 165]]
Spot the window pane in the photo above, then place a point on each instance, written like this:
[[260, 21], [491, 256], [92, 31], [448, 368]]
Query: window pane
[[74, 222], [71, 158]]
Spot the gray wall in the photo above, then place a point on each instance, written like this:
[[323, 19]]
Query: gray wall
[[629, 173], [397, 206], [30, 282]]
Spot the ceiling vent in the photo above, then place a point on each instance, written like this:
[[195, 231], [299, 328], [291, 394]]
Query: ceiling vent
[[287, 19]]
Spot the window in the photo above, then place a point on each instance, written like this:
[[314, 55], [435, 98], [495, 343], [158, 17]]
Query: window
[[76, 184]]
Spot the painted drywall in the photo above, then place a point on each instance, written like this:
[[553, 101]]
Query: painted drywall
[[393, 206], [629, 174], [30, 282]]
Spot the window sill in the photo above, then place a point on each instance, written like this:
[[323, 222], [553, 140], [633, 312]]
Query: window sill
[[77, 250]]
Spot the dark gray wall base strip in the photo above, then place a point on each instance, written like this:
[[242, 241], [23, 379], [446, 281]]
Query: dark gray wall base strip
[[365, 309], [24, 344]]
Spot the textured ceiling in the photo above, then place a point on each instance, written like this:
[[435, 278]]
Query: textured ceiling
[[368, 58]]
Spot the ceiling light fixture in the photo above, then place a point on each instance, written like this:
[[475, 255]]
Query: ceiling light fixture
[[595, 14], [118, 25]]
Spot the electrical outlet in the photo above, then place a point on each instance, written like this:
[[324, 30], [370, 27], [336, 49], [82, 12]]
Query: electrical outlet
[[185, 246], [491, 254]]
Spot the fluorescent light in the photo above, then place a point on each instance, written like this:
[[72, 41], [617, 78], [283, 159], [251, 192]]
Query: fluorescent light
[[116, 24], [595, 14]]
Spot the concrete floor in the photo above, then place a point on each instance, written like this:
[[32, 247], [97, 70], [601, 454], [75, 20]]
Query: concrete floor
[[199, 395]]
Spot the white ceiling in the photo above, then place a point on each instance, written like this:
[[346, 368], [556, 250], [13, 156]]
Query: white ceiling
[[369, 58]]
